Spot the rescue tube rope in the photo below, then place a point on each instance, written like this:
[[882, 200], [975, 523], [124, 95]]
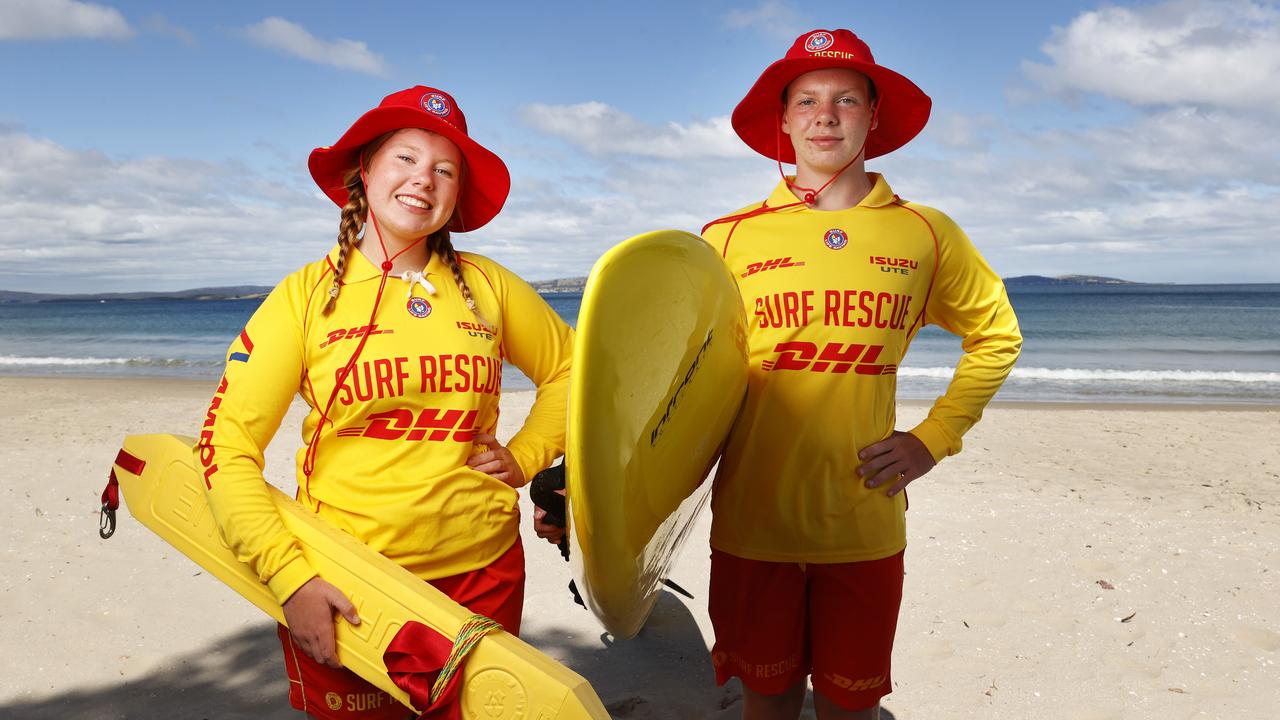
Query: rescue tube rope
[[476, 627]]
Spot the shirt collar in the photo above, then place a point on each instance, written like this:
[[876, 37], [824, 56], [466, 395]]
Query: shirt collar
[[881, 194], [360, 269]]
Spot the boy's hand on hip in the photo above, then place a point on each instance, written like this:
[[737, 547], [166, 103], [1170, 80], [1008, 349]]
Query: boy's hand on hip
[[898, 459]]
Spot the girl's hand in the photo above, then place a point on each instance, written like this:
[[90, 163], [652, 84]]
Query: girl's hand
[[496, 461], [309, 614]]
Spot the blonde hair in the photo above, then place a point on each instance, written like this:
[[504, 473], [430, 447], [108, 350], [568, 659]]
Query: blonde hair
[[351, 224]]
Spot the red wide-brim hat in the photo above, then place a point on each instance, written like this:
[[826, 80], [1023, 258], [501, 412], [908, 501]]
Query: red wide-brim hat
[[485, 180], [903, 108]]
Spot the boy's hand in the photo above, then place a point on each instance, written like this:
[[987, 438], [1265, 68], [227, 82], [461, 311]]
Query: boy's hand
[[899, 458]]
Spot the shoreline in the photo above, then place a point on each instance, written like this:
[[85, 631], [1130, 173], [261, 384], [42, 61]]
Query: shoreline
[[1074, 405]]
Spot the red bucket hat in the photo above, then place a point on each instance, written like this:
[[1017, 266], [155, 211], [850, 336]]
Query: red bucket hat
[[903, 108], [485, 181]]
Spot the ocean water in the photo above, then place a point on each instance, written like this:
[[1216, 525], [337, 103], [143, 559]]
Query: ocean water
[[1126, 343]]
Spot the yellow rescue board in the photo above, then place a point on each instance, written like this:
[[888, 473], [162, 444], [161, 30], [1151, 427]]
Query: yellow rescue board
[[503, 677], [659, 374]]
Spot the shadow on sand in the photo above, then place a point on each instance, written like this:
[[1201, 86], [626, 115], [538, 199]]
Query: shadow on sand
[[239, 678], [664, 672]]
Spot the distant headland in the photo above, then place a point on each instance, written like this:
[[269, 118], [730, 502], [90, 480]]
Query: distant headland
[[233, 292], [1035, 280], [559, 286]]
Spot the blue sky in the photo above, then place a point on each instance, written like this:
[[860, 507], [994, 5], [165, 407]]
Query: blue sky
[[150, 145]]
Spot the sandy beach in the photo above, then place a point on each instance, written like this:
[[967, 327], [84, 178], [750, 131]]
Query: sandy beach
[[1082, 562]]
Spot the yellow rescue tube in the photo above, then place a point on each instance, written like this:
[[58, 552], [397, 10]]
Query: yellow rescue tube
[[503, 678], [659, 374]]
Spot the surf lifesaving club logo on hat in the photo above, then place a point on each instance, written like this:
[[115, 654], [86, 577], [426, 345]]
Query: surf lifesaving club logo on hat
[[836, 239], [818, 41], [418, 307], [436, 104]]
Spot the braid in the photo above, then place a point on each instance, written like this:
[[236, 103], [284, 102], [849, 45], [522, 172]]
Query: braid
[[441, 243], [353, 216]]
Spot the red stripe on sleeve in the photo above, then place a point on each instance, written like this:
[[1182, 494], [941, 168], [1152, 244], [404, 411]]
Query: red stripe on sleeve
[[483, 274]]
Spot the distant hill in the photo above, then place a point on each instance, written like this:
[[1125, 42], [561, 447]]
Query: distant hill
[[577, 284], [10, 296], [235, 292], [1041, 280], [559, 286]]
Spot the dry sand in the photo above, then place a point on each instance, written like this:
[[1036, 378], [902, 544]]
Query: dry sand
[[1074, 562]]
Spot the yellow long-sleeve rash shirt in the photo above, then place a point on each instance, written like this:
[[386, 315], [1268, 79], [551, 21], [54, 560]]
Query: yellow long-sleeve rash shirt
[[390, 467], [833, 300]]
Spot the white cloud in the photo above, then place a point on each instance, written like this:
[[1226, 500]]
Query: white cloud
[[604, 130], [289, 38], [1177, 196], [1181, 184], [962, 132], [771, 18], [1140, 198], [558, 226], [59, 19], [80, 221], [1185, 147], [1053, 204], [1223, 53]]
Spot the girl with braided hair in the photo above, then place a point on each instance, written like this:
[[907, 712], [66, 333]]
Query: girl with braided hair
[[397, 342]]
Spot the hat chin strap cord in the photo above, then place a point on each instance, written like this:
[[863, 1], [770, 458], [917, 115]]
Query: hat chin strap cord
[[309, 462], [810, 196]]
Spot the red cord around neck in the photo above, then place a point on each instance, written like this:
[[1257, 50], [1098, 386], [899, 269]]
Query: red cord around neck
[[808, 196], [313, 447]]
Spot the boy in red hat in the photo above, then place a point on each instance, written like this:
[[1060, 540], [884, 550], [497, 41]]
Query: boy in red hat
[[837, 274], [397, 342]]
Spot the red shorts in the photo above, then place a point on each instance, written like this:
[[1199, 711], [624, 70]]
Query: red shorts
[[495, 591], [776, 623]]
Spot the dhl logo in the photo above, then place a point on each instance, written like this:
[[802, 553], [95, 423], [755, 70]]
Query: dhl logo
[[845, 683], [783, 262], [353, 333], [834, 357], [431, 424]]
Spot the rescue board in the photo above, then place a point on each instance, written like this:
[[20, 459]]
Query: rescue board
[[659, 374], [503, 677]]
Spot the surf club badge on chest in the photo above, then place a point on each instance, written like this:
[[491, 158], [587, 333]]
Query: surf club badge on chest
[[418, 307], [835, 239]]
